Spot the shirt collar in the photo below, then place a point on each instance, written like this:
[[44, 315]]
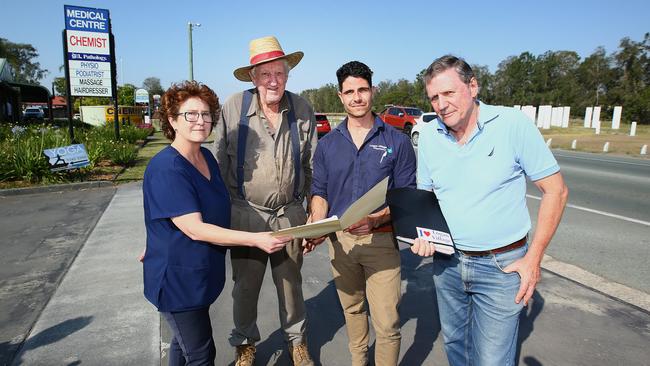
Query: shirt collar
[[377, 125], [487, 114]]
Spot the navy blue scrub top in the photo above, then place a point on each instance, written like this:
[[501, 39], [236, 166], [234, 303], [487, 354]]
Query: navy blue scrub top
[[182, 274]]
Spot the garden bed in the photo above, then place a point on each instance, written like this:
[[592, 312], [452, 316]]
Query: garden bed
[[23, 164]]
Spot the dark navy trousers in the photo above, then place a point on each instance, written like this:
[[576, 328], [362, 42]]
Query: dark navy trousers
[[192, 343]]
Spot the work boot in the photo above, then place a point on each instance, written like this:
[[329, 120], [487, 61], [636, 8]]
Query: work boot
[[245, 355], [300, 355]]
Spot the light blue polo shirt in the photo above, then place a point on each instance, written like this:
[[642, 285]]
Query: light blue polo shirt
[[481, 185]]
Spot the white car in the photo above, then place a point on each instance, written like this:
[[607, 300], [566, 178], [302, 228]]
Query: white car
[[424, 118]]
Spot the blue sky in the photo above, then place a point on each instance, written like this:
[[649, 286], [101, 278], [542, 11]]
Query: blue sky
[[396, 39]]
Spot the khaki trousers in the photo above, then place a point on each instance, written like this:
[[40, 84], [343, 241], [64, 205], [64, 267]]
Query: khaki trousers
[[249, 265], [368, 266]]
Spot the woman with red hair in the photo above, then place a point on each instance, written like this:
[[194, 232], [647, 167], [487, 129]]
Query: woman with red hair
[[187, 216]]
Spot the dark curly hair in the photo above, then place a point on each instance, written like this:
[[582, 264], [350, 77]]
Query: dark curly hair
[[177, 94], [355, 69]]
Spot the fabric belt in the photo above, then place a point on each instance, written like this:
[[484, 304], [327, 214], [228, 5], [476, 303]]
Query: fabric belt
[[277, 212], [518, 244]]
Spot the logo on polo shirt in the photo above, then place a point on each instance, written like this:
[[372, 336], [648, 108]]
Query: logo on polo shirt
[[386, 150]]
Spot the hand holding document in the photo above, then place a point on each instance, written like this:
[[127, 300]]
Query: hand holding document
[[361, 208], [416, 214]]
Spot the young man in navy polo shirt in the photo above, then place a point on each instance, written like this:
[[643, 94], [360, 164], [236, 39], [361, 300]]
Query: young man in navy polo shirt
[[348, 162]]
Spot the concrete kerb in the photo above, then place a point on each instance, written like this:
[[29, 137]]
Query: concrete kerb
[[55, 188]]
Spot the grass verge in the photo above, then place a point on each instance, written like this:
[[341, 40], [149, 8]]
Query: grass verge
[[620, 141], [155, 143]]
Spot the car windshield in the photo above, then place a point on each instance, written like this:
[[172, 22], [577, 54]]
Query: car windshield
[[321, 117], [429, 117], [413, 111], [32, 110]]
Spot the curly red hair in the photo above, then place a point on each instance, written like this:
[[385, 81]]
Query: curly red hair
[[177, 94]]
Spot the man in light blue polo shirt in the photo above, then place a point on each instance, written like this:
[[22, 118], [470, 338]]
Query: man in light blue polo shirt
[[476, 159]]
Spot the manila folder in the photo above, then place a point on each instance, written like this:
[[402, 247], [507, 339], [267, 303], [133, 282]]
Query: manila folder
[[361, 208]]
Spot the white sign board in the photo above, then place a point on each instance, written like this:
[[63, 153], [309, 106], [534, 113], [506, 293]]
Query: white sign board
[[67, 157], [556, 116], [616, 118], [588, 112], [565, 117], [595, 119], [529, 111], [142, 96], [544, 116], [89, 51]]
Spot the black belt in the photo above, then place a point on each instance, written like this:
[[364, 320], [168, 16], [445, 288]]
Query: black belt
[[518, 244]]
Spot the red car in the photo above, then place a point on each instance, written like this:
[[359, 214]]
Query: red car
[[402, 118], [322, 124]]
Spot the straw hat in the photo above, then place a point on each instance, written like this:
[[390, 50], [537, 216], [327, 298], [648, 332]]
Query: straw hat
[[266, 49]]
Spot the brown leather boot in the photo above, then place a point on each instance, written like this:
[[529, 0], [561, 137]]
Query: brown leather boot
[[300, 355], [245, 355]]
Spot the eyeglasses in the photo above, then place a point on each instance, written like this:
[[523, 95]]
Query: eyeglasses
[[194, 116]]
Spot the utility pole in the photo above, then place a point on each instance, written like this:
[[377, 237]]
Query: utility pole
[[191, 25]]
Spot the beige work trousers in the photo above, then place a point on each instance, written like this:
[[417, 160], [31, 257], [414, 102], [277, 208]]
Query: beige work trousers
[[249, 265], [368, 266]]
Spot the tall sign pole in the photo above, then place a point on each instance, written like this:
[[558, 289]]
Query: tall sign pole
[[116, 106], [90, 54], [67, 87]]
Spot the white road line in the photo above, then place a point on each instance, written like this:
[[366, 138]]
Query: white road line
[[636, 221], [591, 280], [596, 159]]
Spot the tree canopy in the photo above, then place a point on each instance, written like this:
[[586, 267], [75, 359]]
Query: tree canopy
[[21, 58], [558, 78], [152, 85]]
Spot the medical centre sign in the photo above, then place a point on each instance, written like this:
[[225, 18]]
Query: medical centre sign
[[88, 51]]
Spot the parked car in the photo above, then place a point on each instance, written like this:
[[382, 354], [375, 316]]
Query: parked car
[[402, 118], [421, 122], [33, 113], [322, 124]]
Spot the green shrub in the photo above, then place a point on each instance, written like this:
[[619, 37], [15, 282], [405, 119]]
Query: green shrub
[[122, 153], [22, 154], [132, 134]]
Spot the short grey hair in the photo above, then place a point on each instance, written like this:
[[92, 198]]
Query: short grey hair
[[447, 62], [284, 62]]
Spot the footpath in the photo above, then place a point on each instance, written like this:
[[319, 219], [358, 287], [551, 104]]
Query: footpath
[[98, 315]]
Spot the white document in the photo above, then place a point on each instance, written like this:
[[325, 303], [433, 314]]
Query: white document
[[440, 248], [361, 208]]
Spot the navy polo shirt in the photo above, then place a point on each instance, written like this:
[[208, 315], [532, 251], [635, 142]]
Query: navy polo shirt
[[342, 173], [182, 274]]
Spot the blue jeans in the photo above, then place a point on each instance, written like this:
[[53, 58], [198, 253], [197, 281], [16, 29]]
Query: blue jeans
[[192, 343], [478, 313]]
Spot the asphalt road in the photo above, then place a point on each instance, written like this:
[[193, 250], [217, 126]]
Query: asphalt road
[[606, 225], [41, 235], [616, 185]]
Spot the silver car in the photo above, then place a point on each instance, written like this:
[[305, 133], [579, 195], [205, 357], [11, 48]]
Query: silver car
[[33, 113]]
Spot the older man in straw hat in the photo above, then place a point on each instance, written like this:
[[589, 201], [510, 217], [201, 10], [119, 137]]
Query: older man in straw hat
[[264, 143]]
